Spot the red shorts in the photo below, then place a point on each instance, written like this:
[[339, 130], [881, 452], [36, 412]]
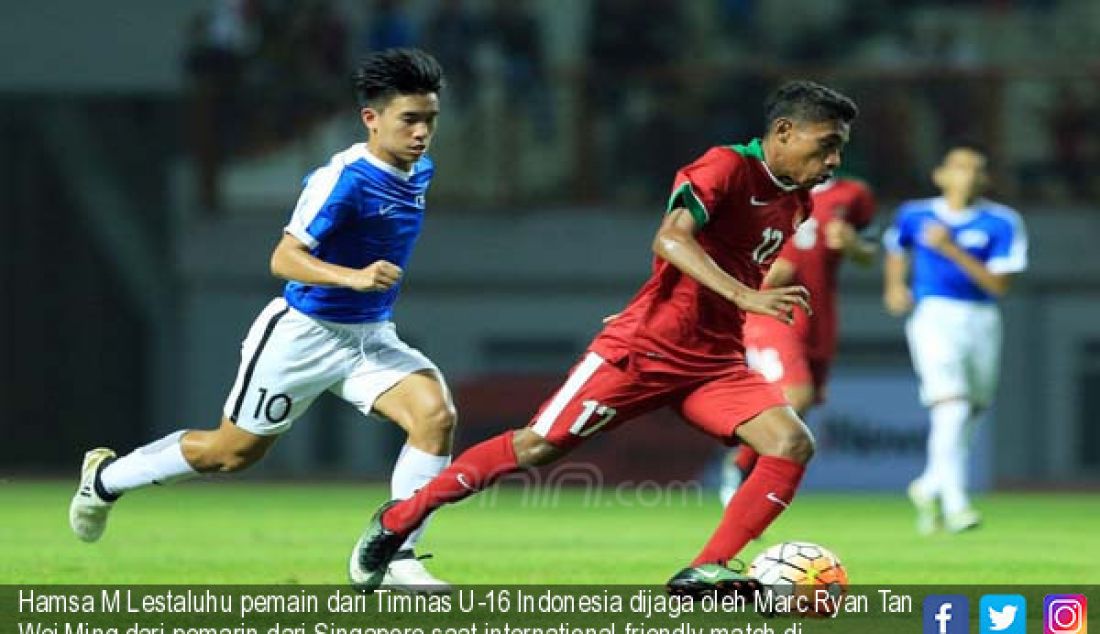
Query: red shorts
[[599, 395], [779, 354]]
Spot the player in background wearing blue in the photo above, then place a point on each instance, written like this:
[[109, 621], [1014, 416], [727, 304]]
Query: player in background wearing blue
[[343, 254], [952, 257]]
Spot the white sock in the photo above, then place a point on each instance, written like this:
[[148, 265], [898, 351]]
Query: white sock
[[414, 469], [159, 462], [927, 483], [948, 453]]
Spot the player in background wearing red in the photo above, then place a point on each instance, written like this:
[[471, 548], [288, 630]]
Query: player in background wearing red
[[678, 343], [798, 357]]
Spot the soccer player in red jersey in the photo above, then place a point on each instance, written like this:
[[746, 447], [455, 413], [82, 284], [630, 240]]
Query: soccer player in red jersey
[[679, 341], [797, 357]]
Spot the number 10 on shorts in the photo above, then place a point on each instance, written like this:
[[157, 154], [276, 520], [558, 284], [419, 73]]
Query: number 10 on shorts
[[275, 409]]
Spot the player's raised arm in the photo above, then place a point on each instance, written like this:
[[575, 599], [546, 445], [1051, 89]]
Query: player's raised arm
[[292, 261], [675, 243]]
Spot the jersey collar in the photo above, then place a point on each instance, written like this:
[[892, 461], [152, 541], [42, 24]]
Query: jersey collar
[[824, 186], [755, 149], [384, 166], [954, 216]]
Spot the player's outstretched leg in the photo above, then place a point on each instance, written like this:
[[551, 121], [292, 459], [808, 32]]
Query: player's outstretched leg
[[475, 469], [785, 446], [178, 456]]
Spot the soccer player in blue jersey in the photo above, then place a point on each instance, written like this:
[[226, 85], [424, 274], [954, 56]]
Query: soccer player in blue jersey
[[952, 257], [343, 254]]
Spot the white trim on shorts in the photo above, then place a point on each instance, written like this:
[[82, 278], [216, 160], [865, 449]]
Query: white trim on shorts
[[580, 375], [267, 319]]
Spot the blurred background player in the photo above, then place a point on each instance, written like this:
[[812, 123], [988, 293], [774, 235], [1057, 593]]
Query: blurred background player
[[798, 357], [952, 257], [679, 341], [342, 254]]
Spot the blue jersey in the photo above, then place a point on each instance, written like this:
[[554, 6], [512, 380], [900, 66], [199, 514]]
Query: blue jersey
[[992, 233], [357, 210]]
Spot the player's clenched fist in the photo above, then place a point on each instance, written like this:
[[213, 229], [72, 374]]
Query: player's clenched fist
[[776, 302], [935, 236], [898, 299], [378, 276]]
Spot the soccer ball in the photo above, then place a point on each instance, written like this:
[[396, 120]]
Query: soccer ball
[[801, 578]]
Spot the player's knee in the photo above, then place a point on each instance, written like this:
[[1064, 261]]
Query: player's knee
[[802, 402], [801, 397], [212, 454], [239, 460], [441, 420], [231, 460], [797, 445], [432, 428]]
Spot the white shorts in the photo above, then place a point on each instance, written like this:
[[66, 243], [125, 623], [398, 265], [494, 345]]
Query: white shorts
[[289, 358], [956, 349]]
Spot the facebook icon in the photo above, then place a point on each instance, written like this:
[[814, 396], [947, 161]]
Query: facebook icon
[[946, 614]]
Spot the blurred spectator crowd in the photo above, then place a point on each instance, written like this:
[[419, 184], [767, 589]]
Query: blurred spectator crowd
[[610, 96]]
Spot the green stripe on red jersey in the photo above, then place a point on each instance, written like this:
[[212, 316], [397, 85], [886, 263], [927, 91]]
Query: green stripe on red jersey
[[754, 148], [684, 196]]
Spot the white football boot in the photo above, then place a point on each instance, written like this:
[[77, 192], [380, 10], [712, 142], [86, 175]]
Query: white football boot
[[88, 511], [965, 520], [407, 573]]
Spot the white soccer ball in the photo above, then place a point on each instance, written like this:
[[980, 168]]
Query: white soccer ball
[[801, 568]]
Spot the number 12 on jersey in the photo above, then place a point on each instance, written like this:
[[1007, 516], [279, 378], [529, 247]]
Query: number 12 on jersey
[[773, 239]]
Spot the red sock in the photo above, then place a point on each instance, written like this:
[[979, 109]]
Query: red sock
[[745, 459], [473, 470], [765, 494]]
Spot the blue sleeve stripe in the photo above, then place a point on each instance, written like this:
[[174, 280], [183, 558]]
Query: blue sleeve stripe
[[318, 190]]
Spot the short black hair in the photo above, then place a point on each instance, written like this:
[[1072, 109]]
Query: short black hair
[[965, 143], [395, 71], [804, 100]]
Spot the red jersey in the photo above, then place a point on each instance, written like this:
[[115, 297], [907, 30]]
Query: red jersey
[[816, 264], [744, 215]]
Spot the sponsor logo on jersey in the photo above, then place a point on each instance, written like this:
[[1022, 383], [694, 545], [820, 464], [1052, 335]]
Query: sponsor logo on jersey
[[972, 238]]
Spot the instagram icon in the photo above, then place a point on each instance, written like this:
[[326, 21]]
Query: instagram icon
[[1065, 614]]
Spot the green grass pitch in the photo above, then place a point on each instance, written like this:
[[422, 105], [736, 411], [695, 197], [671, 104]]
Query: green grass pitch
[[242, 532]]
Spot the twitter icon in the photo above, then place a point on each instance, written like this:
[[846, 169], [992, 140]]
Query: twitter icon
[[1003, 614]]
